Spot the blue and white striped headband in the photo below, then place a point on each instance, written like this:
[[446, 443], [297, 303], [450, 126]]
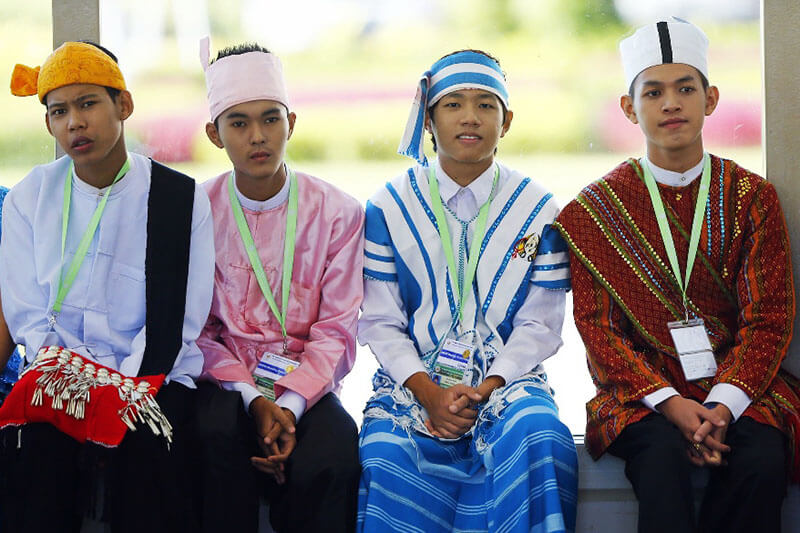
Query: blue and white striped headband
[[462, 70]]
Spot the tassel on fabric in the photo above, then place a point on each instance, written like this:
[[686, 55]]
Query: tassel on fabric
[[68, 379]]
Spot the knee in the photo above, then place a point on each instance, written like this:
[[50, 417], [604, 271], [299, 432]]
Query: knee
[[214, 430], [334, 462], [764, 471], [541, 434], [220, 434], [539, 425], [663, 458], [326, 472]]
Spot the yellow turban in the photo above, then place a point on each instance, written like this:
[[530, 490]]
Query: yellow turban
[[69, 64]]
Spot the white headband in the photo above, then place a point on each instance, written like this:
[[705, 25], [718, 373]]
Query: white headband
[[236, 79], [462, 70]]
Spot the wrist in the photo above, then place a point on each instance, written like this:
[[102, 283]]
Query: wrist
[[665, 407], [723, 411], [423, 388], [258, 405], [290, 414], [489, 385]]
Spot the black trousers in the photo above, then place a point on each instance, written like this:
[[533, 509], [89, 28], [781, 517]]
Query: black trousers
[[322, 473], [744, 496], [49, 481]]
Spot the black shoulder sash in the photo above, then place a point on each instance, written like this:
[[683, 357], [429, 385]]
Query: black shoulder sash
[[166, 266]]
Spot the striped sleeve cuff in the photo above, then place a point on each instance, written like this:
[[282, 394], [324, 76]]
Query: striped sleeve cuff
[[379, 262], [551, 266], [551, 271]]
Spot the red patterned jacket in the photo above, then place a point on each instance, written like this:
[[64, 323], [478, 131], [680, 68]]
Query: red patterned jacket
[[624, 295]]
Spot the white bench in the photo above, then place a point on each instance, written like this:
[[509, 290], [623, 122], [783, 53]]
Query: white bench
[[606, 501]]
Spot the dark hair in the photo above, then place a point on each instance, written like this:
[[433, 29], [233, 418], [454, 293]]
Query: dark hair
[[112, 92], [239, 49], [487, 54], [236, 50], [703, 81]]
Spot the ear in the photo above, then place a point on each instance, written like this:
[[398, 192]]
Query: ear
[[213, 135], [292, 118], [626, 104], [428, 123], [125, 102], [712, 99], [507, 123]]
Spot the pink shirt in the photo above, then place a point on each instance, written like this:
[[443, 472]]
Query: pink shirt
[[326, 290]]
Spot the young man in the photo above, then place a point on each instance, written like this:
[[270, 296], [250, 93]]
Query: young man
[[683, 295], [107, 257], [281, 334], [462, 432]]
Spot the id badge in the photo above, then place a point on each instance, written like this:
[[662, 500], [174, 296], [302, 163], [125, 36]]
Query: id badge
[[270, 369], [694, 348], [452, 364]]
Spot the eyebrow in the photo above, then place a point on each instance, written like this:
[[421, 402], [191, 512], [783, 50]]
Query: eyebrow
[[268, 112], [81, 98], [684, 79]]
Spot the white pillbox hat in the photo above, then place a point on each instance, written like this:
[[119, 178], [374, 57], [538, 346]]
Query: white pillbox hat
[[675, 41]]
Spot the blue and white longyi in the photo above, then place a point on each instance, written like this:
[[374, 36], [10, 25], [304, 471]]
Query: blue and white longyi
[[517, 474]]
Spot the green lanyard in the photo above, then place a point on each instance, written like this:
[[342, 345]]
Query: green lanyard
[[65, 284], [697, 222], [288, 250], [461, 292]]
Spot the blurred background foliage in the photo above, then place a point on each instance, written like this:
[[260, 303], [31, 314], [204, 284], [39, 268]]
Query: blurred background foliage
[[352, 80]]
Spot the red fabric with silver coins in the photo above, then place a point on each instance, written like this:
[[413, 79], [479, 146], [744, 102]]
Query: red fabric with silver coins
[[101, 421]]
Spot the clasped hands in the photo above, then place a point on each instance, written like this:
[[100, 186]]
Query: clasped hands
[[704, 429], [276, 437], [451, 411]]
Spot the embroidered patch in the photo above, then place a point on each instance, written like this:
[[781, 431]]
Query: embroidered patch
[[525, 248]]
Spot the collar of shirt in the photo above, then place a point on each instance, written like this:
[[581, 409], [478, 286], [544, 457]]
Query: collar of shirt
[[83, 187], [465, 201], [270, 203], [676, 179]]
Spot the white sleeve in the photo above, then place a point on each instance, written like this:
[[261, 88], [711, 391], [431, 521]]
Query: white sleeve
[[294, 402], [731, 396], [383, 326], [536, 333], [289, 399], [652, 400], [25, 301]]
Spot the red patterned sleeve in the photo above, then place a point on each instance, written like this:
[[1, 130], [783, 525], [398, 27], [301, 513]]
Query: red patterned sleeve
[[765, 292], [614, 364]]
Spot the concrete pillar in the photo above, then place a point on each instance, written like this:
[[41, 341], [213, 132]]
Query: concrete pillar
[[781, 134], [75, 20]]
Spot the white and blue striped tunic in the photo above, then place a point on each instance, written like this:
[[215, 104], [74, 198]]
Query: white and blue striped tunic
[[516, 470]]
